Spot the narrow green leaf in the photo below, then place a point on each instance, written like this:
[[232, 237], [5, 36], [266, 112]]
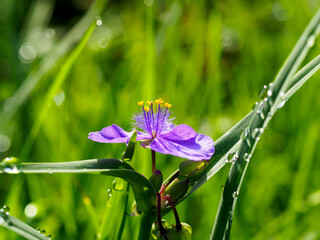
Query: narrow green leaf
[[301, 77], [21, 228], [144, 192], [263, 114]]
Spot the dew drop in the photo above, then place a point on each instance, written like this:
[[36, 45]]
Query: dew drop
[[109, 194], [49, 236], [222, 187], [266, 91], [256, 133], [247, 157], [311, 40], [10, 160], [5, 210], [232, 157], [281, 104], [12, 169], [263, 91], [117, 186], [235, 194], [258, 107], [42, 231], [245, 133]]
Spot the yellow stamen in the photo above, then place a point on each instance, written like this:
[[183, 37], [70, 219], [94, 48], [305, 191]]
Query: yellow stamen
[[158, 101], [140, 103], [149, 103], [146, 108], [168, 105]]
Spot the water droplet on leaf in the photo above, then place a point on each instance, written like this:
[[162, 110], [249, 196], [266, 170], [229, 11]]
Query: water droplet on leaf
[[245, 133], [117, 186], [11, 169], [235, 194], [256, 133], [247, 157], [311, 40], [281, 104]]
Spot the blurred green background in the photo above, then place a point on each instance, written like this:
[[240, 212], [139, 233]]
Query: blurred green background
[[62, 77]]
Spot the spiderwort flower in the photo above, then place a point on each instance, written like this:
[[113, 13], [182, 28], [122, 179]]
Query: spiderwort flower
[[157, 132]]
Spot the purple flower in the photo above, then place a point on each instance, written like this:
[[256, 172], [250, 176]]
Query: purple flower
[[159, 134]]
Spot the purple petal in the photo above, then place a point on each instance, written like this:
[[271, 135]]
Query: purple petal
[[111, 134], [181, 132], [198, 148]]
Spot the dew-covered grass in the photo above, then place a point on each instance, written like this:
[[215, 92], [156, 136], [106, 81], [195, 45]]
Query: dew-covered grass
[[65, 74]]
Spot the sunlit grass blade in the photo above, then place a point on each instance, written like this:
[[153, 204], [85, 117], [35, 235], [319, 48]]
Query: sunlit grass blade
[[49, 63], [21, 228], [263, 113], [144, 192], [115, 208], [53, 90]]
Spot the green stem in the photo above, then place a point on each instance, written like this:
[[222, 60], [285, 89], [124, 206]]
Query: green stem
[[153, 156], [147, 219]]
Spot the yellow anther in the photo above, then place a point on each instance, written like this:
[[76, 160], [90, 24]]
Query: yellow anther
[[168, 105], [146, 108], [158, 101], [149, 103], [140, 103]]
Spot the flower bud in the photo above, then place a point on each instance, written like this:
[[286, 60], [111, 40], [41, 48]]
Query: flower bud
[[171, 234], [185, 231], [191, 169], [178, 190], [155, 232], [156, 179]]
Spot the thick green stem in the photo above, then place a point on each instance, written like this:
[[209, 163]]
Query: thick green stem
[[147, 219]]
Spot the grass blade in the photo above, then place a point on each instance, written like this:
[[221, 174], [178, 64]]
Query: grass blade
[[263, 114], [21, 228], [48, 63], [301, 77]]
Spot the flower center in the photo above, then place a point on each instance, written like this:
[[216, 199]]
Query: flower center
[[154, 118]]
